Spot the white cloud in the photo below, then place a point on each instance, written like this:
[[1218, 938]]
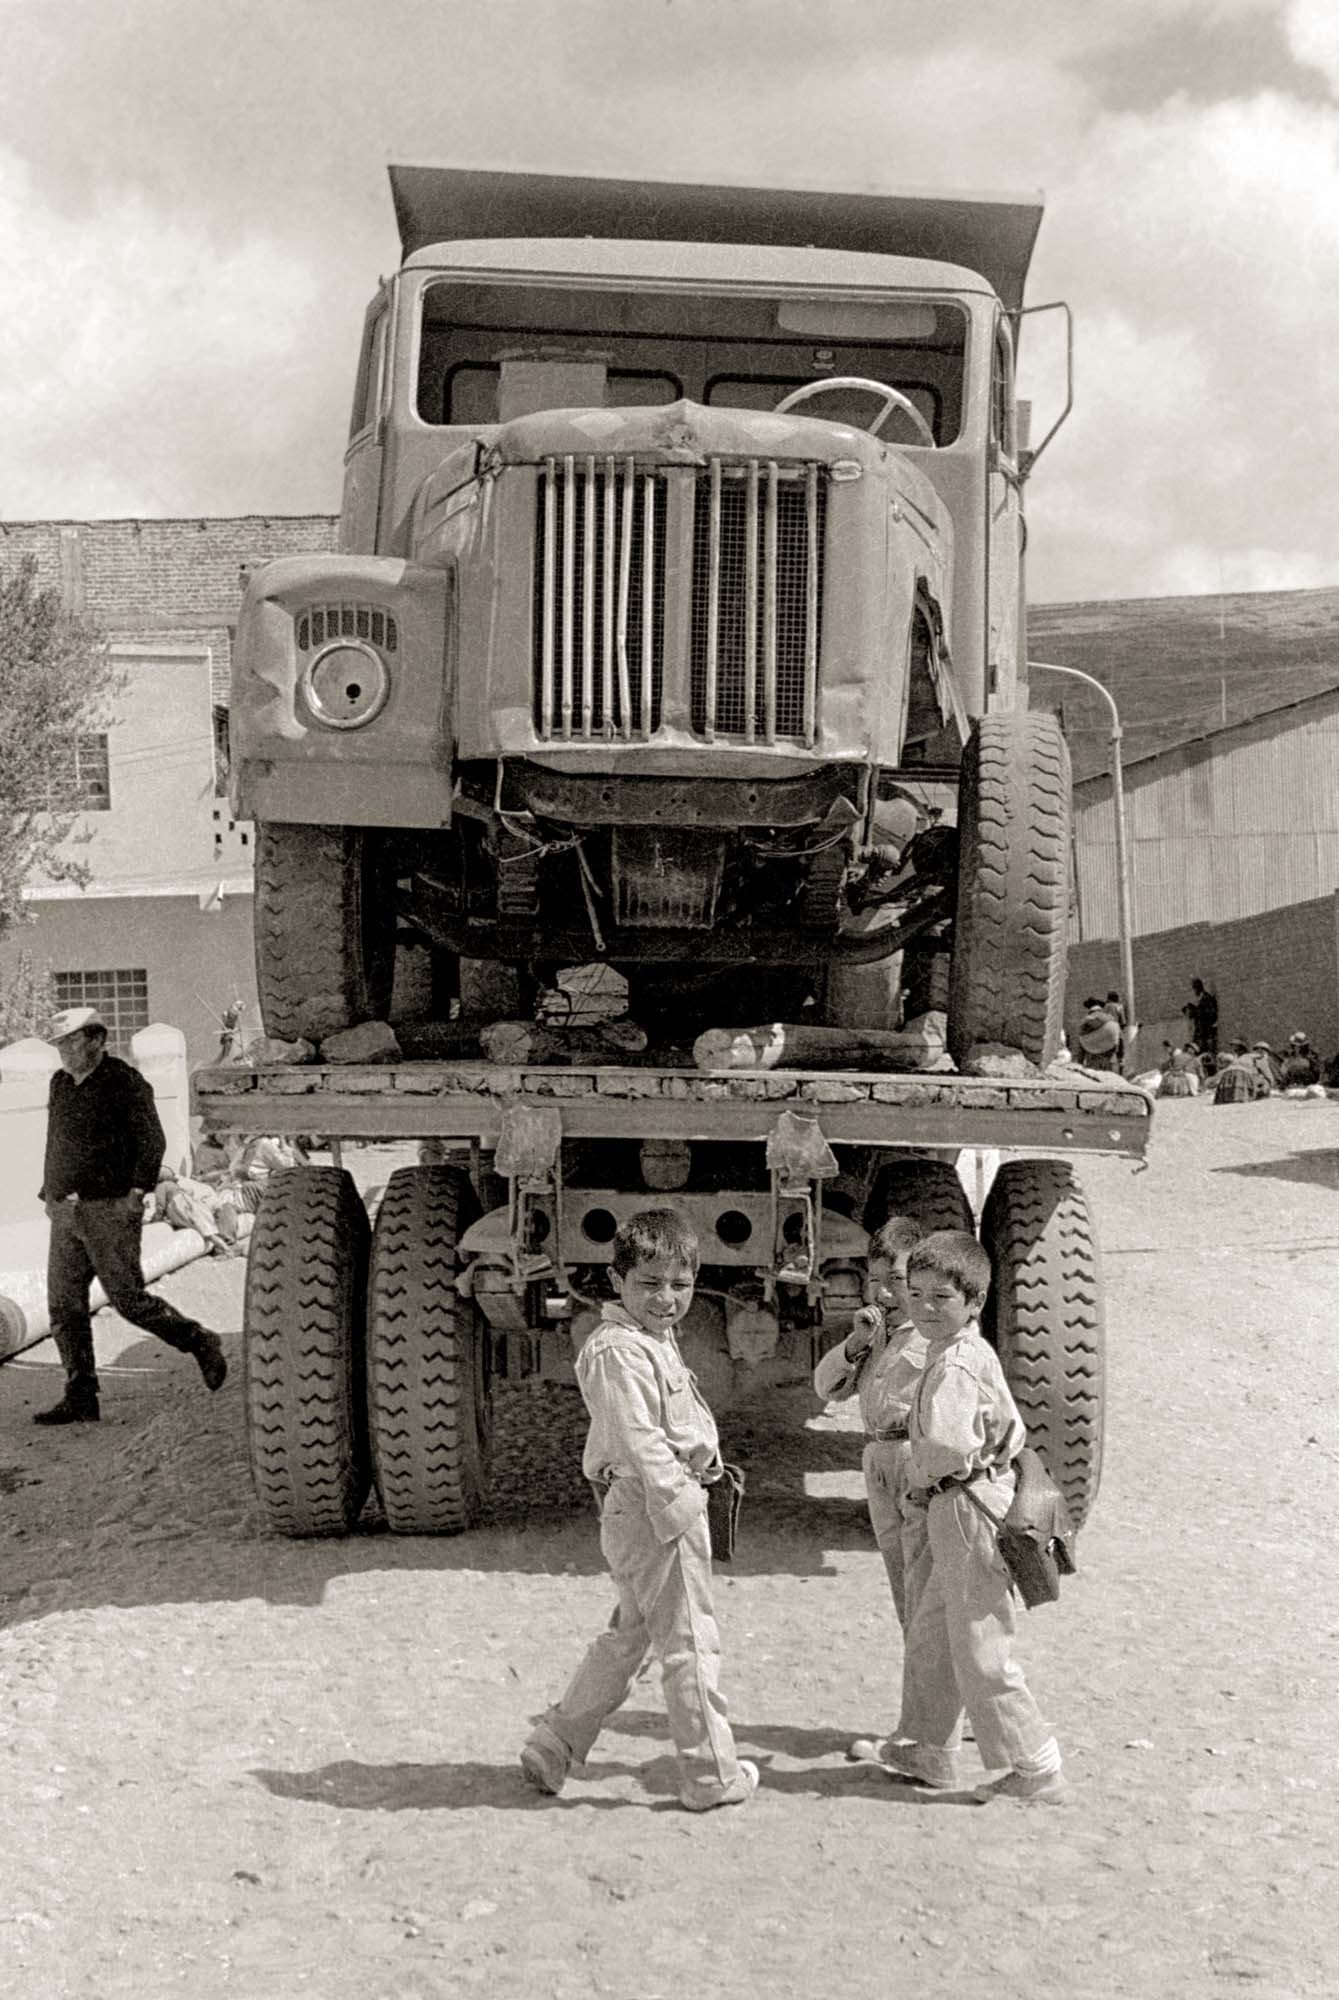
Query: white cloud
[[164, 350], [1312, 28], [1204, 239], [145, 367]]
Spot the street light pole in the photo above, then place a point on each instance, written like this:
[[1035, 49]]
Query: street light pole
[[1122, 859]]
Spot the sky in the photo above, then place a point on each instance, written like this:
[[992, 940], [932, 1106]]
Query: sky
[[194, 212]]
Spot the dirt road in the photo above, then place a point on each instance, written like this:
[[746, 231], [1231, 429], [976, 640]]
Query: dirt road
[[236, 1766]]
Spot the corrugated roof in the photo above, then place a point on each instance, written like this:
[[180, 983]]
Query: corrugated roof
[[1181, 668]]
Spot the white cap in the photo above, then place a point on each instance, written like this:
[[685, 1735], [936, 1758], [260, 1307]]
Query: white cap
[[71, 1019]]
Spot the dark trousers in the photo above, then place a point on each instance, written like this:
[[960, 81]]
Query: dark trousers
[[100, 1239]]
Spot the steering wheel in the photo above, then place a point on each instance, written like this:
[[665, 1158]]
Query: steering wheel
[[893, 399]]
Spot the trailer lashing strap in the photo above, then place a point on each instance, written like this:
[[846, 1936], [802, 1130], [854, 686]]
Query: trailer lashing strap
[[799, 1160], [528, 1155]]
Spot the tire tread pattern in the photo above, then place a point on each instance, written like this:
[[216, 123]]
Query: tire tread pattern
[[430, 1451], [928, 1191], [314, 912], [306, 1279], [1045, 1317], [1011, 931]]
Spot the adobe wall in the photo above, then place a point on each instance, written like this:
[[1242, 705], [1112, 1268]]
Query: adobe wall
[[1272, 973]]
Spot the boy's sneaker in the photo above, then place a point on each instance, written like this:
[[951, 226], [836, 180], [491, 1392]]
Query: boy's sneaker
[[1029, 1788], [744, 1786], [545, 1760], [913, 1762]]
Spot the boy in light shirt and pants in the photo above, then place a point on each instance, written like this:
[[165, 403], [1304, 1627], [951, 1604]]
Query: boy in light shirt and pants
[[965, 1432], [652, 1443], [880, 1361]]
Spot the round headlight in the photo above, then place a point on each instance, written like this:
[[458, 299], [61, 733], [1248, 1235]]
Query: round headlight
[[346, 685]]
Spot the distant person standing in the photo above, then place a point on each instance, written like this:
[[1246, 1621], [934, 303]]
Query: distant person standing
[[1099, 1037], [1115, 1006], [1201, 1010], [104, 1147]]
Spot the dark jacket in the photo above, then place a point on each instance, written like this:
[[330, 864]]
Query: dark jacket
[[103, 1135]]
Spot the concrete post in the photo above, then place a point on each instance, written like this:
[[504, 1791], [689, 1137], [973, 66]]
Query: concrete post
[[26, 1069], [159, 1054]]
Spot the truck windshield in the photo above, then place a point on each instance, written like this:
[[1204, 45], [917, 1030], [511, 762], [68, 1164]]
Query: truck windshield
[[491, 352]]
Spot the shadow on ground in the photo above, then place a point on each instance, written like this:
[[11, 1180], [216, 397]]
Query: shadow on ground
[[1318, 1168]]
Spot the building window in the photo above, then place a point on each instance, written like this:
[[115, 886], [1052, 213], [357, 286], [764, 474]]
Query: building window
[[121, 997], [222, 755], [78, 779]]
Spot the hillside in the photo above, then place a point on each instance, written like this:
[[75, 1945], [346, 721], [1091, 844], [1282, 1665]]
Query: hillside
[[1181, 667]]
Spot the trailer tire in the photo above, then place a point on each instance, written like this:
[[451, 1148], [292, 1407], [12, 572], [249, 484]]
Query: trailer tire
[[429, 1390], [1044, 1316], [928, 1191], [306, 1280], [1010, 937], [324, 928]]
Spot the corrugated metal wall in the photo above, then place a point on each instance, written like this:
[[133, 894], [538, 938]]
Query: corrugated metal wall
[[1243, 821]]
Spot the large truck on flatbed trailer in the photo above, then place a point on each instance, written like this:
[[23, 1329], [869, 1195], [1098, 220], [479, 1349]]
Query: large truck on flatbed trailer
[[645, 647]]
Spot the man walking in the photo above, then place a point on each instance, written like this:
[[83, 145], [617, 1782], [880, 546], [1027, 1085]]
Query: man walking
[[104, 1147]]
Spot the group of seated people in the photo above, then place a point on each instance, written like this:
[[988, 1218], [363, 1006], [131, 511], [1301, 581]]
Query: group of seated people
[[1243, 1073]]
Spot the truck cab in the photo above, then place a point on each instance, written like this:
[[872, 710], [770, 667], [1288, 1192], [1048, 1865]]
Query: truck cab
[[679, 599]]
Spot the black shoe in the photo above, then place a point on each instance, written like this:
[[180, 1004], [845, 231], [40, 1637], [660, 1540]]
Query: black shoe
[[209, 1354], [76, 1406]]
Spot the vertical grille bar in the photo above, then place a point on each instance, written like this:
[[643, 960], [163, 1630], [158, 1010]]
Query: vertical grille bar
[[751, 605], [546, 654], [648, 593], [569, 585], [607, 651], [811, 606], [769, 606], [624, 599], [588, 603], [713, 599]]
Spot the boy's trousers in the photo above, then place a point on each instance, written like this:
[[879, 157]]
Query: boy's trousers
[[885, 1468], [664, 1608], [960, 1644]]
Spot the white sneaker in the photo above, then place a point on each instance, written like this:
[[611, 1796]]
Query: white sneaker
[[545, 1760], [1029, 1788], [906, 1762], [743, 1788]]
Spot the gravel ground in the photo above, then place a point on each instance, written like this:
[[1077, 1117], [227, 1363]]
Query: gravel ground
[[239, 1766]]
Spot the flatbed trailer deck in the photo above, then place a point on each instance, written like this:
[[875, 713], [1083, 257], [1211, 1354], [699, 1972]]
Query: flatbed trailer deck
[[1066, 1110], [373, 1351]]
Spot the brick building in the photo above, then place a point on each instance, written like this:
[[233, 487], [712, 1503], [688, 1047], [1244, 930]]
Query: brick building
[[162, 932]]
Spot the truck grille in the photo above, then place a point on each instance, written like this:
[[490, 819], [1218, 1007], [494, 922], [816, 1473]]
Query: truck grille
[[757, 600], [599, 632]]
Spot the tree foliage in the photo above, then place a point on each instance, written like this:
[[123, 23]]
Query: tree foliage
[[57, 682]]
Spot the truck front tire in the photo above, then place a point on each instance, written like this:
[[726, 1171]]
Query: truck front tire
[[1044, 1316], [1011, 930], [306, 1279], [324, 928], [428, 1387]]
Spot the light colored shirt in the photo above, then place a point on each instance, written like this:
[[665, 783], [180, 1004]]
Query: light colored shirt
[[963, 1419], [884, 1376], [647, 1418]]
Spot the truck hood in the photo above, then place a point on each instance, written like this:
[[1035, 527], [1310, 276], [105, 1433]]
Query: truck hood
[[682, 433]]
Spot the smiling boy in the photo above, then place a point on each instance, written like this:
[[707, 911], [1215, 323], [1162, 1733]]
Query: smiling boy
[[965, 1433], [652, 1444]]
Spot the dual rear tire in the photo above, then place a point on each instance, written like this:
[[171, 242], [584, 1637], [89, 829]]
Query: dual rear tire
[[1044, 1314], [362, 1360]]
